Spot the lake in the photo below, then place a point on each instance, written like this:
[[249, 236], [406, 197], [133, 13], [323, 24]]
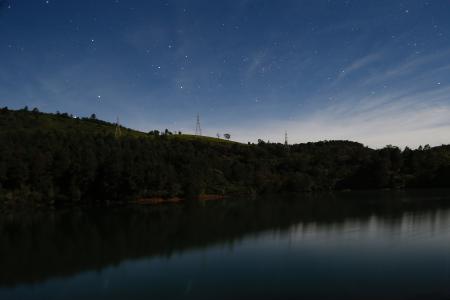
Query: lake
[[356, 245]]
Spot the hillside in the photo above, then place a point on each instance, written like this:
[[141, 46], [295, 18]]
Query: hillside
[[55, 158], [37, 121]]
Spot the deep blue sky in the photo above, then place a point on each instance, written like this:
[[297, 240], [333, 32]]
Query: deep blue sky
[[373, 71]]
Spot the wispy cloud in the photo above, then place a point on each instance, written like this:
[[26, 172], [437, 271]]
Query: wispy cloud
[[359, 64], [404, 103], [423, 66], [256, 62], [398, 126]]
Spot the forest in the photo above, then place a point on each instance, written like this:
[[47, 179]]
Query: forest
[[52, 159]]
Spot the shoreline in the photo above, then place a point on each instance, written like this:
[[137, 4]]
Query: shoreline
[[160, 200]]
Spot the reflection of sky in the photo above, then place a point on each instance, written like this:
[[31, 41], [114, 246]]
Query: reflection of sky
[[398, 257], [372, 71]]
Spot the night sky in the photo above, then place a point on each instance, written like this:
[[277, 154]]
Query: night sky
[[377, 72]]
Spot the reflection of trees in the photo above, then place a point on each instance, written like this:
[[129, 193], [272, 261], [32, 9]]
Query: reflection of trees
[[62, 243]]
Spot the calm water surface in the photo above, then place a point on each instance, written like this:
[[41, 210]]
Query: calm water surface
[[384, 245]]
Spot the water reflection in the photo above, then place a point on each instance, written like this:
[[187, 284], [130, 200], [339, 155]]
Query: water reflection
[[393, 244]]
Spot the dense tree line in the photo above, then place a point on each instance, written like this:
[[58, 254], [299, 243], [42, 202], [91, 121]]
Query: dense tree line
[[55, 158]]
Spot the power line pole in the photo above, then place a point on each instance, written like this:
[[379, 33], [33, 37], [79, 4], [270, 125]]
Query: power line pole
[[198, 128], [118, 132]]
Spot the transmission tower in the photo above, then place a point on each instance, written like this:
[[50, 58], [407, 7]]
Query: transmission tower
[[198, 128], [118, 132], [286, 138]]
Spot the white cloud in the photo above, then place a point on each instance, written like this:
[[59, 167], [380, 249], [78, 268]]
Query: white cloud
[[401, 119]]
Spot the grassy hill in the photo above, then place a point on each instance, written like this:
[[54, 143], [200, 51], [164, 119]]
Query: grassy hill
[[38, 121]]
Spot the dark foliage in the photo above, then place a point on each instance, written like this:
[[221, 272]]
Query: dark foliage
[[56, 158]]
